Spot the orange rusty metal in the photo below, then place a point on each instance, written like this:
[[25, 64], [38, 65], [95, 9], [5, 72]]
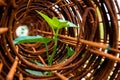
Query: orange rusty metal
[[94, 58]]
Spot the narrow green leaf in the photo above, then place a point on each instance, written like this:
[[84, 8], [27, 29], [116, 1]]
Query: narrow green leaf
[[70, 51], [45, 40], [34, 72], [38, 63], [70, 24], [31, 39]]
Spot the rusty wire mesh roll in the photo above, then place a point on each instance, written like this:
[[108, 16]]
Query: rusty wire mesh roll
[[85, 63]]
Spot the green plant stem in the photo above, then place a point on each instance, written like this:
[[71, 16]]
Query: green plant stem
[[54, 49], [46, 50]]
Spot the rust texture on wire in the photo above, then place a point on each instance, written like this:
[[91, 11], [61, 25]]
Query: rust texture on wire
[[95, 57]]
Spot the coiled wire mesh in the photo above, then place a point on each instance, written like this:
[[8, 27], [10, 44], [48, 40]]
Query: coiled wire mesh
[[98, 27]]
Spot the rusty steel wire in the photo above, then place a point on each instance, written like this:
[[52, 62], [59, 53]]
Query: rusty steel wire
[[91, 61]]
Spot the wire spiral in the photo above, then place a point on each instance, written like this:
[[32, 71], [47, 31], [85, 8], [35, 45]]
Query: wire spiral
[[89, 60]]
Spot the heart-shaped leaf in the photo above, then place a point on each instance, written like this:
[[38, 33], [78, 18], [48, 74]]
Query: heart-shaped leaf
[[32, 39]]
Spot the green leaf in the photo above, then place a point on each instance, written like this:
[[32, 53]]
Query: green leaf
[[59, 24], [56, 23], [70, 51], [34, 72], [38, 63], [31, 39], [69, 24], [63, 25], [47, 19]]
